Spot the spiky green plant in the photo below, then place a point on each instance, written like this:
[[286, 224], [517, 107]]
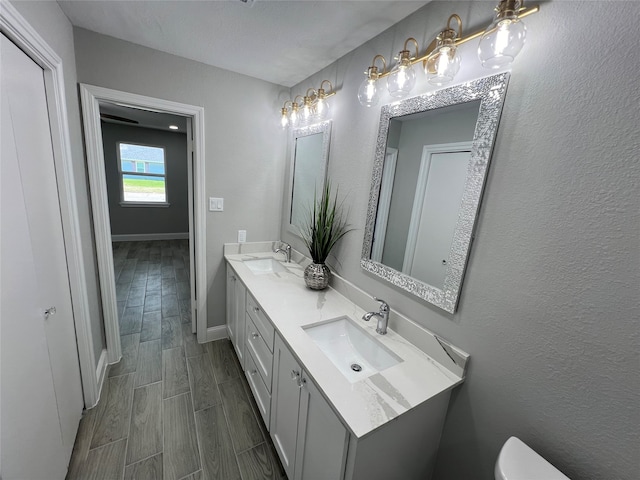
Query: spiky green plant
[[325, 225]]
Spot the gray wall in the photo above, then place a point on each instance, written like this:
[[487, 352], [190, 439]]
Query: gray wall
[[245, 146], [54, 27], [144, 220], [549, 307]]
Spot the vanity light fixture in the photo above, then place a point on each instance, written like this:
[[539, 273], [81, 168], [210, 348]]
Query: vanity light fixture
[[402, 78], [499, 44], [313, 107], [444, 61], [368, 93]]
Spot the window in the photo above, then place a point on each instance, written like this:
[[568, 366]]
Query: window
[[142, 173]]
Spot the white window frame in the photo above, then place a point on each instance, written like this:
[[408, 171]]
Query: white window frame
[[125, 203]]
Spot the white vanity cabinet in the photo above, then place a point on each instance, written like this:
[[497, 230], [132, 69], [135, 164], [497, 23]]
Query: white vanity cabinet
[[310, 439], [385, 426], [258, 338], [236, 295]]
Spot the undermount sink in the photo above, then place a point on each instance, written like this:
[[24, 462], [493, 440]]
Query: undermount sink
[[356, 353], [260, 266]]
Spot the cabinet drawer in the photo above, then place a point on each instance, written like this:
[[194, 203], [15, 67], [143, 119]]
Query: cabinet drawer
[[258, 388], [262, 323], [262, 357]]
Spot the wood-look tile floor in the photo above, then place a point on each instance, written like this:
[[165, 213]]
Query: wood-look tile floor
[[171, 408]]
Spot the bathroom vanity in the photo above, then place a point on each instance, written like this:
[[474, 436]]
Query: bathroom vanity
[[339, 400]]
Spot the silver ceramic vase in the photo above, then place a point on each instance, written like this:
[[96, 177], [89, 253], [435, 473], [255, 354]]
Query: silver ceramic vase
[[317, 276]]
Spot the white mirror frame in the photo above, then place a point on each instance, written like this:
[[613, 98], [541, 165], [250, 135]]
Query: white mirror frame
[[325, 129], [491, 92]]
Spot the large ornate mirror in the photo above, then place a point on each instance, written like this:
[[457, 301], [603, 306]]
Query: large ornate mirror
[[430, 167], [308, 170]]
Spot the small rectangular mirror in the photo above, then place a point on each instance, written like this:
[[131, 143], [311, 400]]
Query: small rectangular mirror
[[431, 161], [309, 160]]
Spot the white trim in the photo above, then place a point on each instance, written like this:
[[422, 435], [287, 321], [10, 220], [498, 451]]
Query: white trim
[[141, 237], [91, 96], [386, 188], [16, 28], [145, 205], [101, 373], [421, 190], [217, 333], [192, 257]]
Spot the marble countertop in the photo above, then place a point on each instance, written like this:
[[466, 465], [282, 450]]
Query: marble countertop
[[366, 404]]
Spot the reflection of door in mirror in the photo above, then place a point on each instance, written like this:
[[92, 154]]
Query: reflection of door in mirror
[[441, 181], [308, 176]]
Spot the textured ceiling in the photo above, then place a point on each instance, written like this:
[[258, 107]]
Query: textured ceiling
[[282, 42]]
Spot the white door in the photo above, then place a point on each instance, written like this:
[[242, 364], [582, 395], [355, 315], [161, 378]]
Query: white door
[[435, 214], [41, 387]]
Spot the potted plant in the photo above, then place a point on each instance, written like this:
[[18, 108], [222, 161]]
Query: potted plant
[[325, 225]]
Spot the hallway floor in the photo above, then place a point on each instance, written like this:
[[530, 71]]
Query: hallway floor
[[171, 408]]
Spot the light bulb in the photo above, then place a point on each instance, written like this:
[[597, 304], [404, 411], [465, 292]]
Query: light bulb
[[503, 39], [284, 119], [402, 78], [293, 118], [322, 108], [442, 65], [368, 94], [307, 110]]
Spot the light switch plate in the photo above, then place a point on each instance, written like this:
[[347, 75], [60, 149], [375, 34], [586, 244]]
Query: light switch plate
[[216, 204], [242, 236]]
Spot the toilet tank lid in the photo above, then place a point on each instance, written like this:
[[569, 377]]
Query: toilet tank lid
[[517, 461]]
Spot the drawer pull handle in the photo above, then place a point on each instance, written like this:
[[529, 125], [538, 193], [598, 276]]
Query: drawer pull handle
[[255, 335], [295, 375], [253, 372], [302, 382], [256, 309], [49, 312]]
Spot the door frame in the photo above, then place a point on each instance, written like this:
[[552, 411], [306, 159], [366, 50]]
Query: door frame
[[17, 29], [90, 97], [384, 204]]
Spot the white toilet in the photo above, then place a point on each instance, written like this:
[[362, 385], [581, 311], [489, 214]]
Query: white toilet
[[517, 461]]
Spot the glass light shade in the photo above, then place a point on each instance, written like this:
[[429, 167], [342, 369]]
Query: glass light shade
[[368, 93], [294, 118], [322, 108], [501, 42], [307, 112], [401, 80], [284, 120], [442, 65]]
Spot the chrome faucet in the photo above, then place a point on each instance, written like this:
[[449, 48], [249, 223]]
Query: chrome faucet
[[383, 316], [286, 251]]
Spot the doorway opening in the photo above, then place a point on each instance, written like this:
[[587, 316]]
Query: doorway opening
[[142, 176]]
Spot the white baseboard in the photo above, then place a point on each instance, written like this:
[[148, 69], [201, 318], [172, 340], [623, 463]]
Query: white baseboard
[[216, 333], [101, 373], [141, 237]]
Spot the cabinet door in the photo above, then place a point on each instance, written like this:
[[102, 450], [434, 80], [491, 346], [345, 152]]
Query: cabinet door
[[239, 321], [321, 449], [231, 303], [285, 405]]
